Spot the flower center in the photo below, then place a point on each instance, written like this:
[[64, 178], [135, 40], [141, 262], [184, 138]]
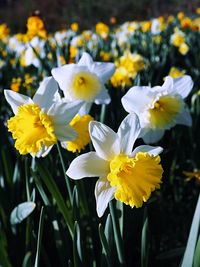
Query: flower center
[[86, 86], [135, 178], [165, 111], [32, 129]]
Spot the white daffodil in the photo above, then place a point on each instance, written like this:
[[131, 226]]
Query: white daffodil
[[85, 80], [161, 107], [129, 176], [39, 122]]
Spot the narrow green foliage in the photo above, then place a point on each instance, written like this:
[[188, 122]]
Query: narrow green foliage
[[106, 249], [192, 239], [39, 239]]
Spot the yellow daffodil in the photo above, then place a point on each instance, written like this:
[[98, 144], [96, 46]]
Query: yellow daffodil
[[161, 107], [129, 176], [40, 122]]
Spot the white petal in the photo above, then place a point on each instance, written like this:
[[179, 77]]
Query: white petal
[[168, 85], [103, 70], [128, 132], [64, 132], [103, 97], [152, 150], [136, 99], [43, 152], [183, 85], [153, 136], [63, 112], [184, 118], [88, 165], [104, 193], [85, 109], [15, 99], [85, 60], [45, 94], [104, 139], [62, 75]]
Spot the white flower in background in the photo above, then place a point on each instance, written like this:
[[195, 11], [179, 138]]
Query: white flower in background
[[155, 27], [85, 80], [161, 107], [35, 49], [40, 122], [129, 176]]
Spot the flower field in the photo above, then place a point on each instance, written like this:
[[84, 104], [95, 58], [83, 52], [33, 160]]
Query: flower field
[[119, 106]]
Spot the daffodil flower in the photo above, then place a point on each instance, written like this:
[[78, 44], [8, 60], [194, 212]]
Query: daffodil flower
[[85, 80], [40, 122], [129, 176], [161, 107]]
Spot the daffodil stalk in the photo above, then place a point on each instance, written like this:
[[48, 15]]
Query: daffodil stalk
[[65, 175]]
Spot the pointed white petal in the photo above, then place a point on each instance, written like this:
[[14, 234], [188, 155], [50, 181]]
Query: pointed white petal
[[128, 132], [85, 109], [153, 136], [136, 99], [85, 60], [184, 118], [103, 70], [45, 94], [152, 150], [104, 139], [104, 193], [88, 165], [62, 75], [168, 85], [103, 97], [183, 85], [63, 112], [43, 152], [64, 132], [15, 99]]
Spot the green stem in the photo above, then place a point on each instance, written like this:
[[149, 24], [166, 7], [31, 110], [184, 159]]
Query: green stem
[[65, 175], [39, 240], [117, 234]]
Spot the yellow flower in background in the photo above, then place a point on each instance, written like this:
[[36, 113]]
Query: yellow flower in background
[[157, 39], [28, 80], [192, 175], [196, 24], [105, 55], [198, 10], [15, 84], [175, 72], [102, 29], [4, 31], [121, 77], [35, 27], [183, 49], [128, 66], [74, 26], [178, 38], [186, 23], [73, 52], [80, 125], [146, 26], [181, 15]]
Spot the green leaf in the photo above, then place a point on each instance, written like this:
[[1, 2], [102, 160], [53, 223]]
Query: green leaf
[[145, 244], [77, 248], [39, 240], [197, 254], [191, 243], [21, 212], [106, 249]]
